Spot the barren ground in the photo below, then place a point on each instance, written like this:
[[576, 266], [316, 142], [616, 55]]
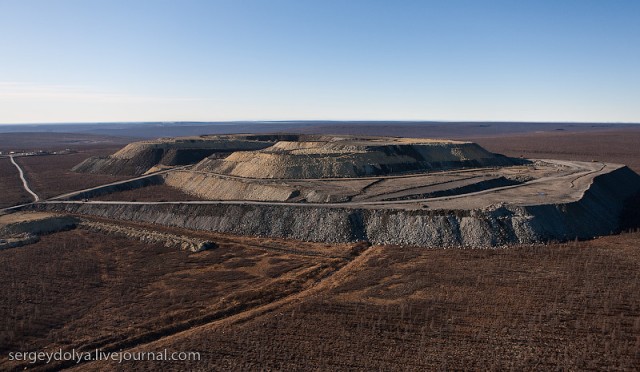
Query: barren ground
[[119, 293], [51, 175], [614, 146], [12, 191], [273, 304], [149, 193], [573, 306], [24, 142]]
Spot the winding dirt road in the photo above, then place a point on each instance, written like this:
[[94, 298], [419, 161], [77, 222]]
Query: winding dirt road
[[24, 181]]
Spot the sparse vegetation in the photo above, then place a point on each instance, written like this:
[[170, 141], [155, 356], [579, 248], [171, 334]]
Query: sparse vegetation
[[573, 306], [117, 292], [615, 146], [51, 175], [266, 303], [150, 193], [12, 191]]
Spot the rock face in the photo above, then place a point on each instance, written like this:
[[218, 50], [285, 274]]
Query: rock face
[[338, 157], [595, 213]]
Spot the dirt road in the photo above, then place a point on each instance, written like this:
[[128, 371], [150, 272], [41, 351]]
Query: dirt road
[[24, 181]]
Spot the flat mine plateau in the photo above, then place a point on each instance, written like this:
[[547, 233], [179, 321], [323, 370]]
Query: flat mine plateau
[[482, 248]]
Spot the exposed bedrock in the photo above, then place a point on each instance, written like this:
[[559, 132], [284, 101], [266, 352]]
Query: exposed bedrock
[[596, 213]]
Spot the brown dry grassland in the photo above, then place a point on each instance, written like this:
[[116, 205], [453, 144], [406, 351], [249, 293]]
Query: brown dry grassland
[[11, 190], [83, 290], [569, 306], [614, 146], [271, 304], [51, 175], [149, 193]]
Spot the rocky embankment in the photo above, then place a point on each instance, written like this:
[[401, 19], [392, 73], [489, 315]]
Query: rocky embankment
[[19, 240], [149, 236], [26, 228], [208, 186], [596, 213], [38, 224]]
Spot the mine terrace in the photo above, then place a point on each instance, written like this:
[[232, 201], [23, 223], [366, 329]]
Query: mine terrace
[[336, 189]]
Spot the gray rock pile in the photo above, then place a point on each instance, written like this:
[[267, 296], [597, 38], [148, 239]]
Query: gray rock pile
[[183, 242]]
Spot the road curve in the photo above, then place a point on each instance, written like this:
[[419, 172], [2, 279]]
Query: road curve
[[24, 181], [359, 204], [581, 169]]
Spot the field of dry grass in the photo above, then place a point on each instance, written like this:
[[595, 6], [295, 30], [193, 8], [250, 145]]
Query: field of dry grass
[[271, 304], [570, 306], [51, 175], [49, 141], [614, 146], [274, 304], [12, 191], [79, 289]]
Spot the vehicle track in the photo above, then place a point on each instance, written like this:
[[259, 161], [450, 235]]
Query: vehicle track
[[24, 181], [580, 170], [235, 315], [603, 165]]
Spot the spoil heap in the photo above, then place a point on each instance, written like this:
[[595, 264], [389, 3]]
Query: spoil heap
[[140, 157], [340, 157], [433, 193]]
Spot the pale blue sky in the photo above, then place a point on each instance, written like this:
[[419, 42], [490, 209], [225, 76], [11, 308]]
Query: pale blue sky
[[111, 60]]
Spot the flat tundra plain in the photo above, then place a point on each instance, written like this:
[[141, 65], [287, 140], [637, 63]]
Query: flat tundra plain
[[271, 303]]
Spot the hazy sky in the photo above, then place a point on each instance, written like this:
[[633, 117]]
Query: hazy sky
[[134, 60]]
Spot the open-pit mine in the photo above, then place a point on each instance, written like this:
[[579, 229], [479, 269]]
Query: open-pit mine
[[336, 189]]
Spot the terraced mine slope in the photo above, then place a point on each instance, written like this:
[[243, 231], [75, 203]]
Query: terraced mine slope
[[140, 157], [422, 192], [339, 157]]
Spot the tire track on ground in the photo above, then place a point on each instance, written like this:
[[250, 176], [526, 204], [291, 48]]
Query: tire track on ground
[[235, 315]]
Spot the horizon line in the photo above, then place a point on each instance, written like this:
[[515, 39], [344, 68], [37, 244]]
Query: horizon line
[[359, 121]]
